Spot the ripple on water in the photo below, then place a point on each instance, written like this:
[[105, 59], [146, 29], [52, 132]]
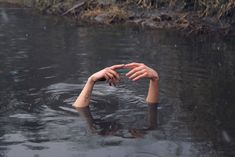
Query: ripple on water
[[23, 116], [13, 139], [49, 77], [22, 38], [47, 67], [143, 154], [61, 88]]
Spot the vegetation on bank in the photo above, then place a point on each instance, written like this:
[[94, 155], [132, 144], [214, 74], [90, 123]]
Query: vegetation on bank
[[195, 15], [219, 8]]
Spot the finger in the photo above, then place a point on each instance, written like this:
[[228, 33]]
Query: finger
[[109, 82], [112, 79], [114, 73], [102, 79], [112, 83], [106, 77], [137, 74], [132, 65], [139, 77], [118, 66], [134, 71], [110, 75], [115, 81]]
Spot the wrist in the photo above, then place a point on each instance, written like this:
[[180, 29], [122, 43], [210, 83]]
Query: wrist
[[155, 76], [91, 80], [154, 79]]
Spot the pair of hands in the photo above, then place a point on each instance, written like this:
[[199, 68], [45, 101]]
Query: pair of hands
[[136, 71]]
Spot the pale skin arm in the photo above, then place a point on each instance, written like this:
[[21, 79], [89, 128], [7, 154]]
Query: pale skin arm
[[109, 74], [139, 71]]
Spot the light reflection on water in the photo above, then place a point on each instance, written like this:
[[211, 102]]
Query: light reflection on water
[[44, 66]]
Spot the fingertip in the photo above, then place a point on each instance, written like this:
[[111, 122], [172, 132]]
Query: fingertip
[[135, 79], [132, 79], [127, 66], [117, 66]]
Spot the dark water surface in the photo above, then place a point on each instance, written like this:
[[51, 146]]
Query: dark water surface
[[45, 62]]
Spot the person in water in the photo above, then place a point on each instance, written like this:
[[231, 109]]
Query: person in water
[[136, 71]]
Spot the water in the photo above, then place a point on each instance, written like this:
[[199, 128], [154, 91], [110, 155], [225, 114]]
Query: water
[[44, 63]]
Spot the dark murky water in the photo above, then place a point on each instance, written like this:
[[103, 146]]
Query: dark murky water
[[44, 64]]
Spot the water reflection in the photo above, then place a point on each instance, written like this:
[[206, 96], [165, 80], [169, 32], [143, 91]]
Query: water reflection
[[104, 128]]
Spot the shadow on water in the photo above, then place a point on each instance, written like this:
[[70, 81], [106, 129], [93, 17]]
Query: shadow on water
[[45, 63], [106, 127]]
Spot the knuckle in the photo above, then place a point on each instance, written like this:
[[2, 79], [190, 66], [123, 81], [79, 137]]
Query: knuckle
[[134, 70]]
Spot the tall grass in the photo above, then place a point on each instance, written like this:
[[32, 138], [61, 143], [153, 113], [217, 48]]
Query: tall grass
[[114, 13], [219, 8]]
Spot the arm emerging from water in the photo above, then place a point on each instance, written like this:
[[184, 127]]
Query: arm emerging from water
[[139, 71], [109, 74]]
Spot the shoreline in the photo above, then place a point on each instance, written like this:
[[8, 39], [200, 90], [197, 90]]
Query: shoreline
[[110, 13]]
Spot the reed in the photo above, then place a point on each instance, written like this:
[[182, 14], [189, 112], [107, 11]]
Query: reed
[[218, 8], [113, 11]]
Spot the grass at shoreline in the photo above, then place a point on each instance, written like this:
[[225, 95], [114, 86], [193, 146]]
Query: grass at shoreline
[[194, 15], [114, 12]]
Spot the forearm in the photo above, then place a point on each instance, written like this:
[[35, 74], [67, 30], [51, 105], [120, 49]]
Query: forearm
[[153, 96], [85, 95]]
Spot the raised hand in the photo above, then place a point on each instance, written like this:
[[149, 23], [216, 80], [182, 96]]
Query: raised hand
[[140, 70], [109, 74], [137, 71]]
